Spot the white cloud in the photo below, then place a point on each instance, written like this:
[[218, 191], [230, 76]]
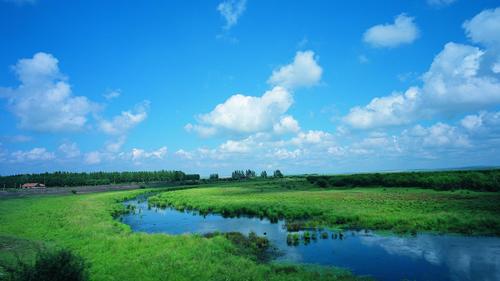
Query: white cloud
[[70, 150], [453, 84], [282, 153], [112, 94], [440, 3], [141, 154], [484, 122], [437, 135], [116, 145], [231, 10], [484, 28], [496, 68], [304, 71], [454, 80], [396, 109], [232, 146], [311, 137], [120, 124], [35, 154], [287, 124], [246, 114], [184, 154], [43, 101], [402, 31], [336, 150], [93, 158], [471, 122], [202, 131]]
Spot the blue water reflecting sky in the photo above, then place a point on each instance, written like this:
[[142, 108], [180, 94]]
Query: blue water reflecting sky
[[385, 257]]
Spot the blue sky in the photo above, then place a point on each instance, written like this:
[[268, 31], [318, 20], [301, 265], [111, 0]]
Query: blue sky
[[213, 86]]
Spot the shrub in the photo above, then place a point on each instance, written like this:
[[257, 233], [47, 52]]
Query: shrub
[[59, 265]]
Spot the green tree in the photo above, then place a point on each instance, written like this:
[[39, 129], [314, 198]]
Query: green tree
[[278, 174]]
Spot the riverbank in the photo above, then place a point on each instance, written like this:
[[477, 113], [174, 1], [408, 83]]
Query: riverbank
[[402, 210], [85, 225]]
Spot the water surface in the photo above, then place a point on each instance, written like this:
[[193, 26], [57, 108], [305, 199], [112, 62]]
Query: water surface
[[385, 257]]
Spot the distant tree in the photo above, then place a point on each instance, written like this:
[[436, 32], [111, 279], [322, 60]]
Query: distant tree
[[263, 174], [278, 174], [238, 175], [249, 174], [214, 177]]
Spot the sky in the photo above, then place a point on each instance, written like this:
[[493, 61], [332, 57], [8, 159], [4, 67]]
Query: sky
[[213, 86]]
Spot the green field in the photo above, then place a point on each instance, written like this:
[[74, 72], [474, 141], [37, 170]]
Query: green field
[[84, 224], [402, 210]]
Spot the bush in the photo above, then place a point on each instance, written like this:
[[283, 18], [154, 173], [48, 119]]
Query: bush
[[60, 265]]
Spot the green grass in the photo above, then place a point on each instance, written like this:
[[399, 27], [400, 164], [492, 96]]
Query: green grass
[[85, 225], [403, 210]]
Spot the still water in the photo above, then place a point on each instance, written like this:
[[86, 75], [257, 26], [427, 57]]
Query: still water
[[384, 257]]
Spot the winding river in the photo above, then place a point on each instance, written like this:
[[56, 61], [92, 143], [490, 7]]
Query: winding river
[[384, 257]]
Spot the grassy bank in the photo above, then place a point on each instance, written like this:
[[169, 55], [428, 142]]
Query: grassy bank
[[480, 180], [84, 224], [401, 210]]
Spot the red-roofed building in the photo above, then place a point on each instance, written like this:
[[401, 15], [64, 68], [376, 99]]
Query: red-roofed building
[[33, 185]]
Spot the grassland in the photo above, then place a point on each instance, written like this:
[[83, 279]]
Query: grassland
[[403, 210], [85, 225]]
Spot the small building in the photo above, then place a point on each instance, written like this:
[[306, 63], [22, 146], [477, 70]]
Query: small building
[[33, 185]]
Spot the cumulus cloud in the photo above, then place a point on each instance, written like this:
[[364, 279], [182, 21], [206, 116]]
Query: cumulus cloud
[[35, 154], [453, 84], [120, 124], [70, 150], [252, 114], [483, 122], [437, 135], [310, 137], [231, 11], [246, 114], [402, 31], [141, 154], [287, 124], [282, 153], [232, 146], [184, 154], [304, 71], [43, 101], [484, 28], [396, 109], [454, 79]]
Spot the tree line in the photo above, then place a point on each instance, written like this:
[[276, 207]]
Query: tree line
[[96, 178], [244, 174], [480, 180]]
